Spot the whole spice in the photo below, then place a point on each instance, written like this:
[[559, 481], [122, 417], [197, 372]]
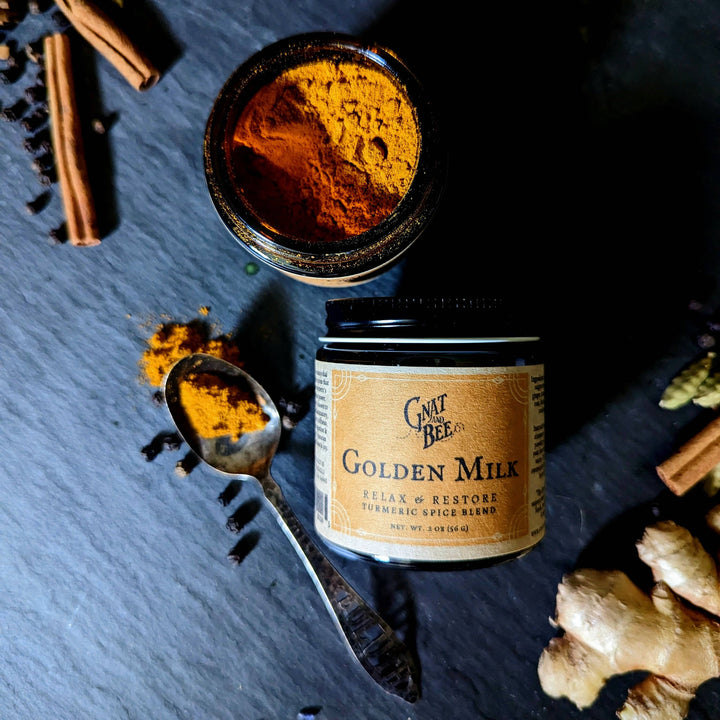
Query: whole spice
[[293, 409], [693, 460], [15, 111], [243, 515], [685, 384], [36, 120], [172, 341], [217, 409], [162, 441], [34, 52], [43, 162], [58, 235], [611, 627], [67, 143], [326, 150], [187, 464], [48, 177], [111, 41], [10, 74], [229, 493], [708, 393], [38, 143], [243, 548], [39, 203], [36, 93]]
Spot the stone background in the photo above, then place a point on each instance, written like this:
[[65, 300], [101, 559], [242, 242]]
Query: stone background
[[584, 169]]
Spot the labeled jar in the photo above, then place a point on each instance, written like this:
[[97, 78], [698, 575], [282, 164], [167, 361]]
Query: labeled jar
[[323, 158], [430, 431]]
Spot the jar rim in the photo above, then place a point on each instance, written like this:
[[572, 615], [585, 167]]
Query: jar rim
[[432, 340]]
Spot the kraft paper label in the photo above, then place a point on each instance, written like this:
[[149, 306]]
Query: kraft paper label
[[431, 464]]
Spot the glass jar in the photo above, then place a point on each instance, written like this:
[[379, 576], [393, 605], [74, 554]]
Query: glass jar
[[430, 433], [286, 238]]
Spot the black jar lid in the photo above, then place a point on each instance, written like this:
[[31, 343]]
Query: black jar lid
[[427, 317]]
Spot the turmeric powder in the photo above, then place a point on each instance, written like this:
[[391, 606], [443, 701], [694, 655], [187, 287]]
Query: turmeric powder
[[327, 150], [216, 408], [173, 341]]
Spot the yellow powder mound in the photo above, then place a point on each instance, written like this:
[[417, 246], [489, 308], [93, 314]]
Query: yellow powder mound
[[173, 341]]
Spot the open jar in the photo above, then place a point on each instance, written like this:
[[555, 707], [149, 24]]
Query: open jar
[[323, 158]]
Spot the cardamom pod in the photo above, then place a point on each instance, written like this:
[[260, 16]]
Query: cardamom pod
[[684, 385], [708, 393]]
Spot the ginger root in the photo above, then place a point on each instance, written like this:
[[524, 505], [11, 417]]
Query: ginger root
[[610, 627]]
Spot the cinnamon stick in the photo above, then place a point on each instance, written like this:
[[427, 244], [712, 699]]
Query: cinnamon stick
[[693, 460], [104, 34], [67, 143]]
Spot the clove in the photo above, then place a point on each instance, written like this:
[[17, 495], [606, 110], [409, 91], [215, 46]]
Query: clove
[[162, 441], [36, 93], [242, 516], [34, 52], [187, 464], [43, 162], [38, 143], [10, 74], [15, 111], [294, 408], [36, 120], [243, 548], [309, 713], [47, 176], [58, 235], [158, 398], [33, 207], [229, 493]]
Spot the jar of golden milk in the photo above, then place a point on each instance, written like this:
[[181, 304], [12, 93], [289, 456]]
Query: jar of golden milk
[[430, 432]]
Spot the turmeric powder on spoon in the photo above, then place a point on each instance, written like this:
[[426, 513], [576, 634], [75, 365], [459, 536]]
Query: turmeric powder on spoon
[[217, 409]]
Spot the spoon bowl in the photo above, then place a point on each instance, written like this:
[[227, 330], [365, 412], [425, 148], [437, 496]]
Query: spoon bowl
[[371, 640], [252, 453]]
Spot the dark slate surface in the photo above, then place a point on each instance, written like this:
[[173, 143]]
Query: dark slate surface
[[584, 179]]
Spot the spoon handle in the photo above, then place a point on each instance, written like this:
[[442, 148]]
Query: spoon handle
[[371, 639]]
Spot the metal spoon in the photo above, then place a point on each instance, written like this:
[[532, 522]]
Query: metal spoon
[[370, 638]]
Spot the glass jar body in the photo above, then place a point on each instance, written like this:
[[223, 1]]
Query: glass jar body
[[430, 452]]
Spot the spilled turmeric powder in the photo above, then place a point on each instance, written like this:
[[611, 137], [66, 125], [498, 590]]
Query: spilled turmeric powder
[[173, 341], [216, 408], [326, 150]]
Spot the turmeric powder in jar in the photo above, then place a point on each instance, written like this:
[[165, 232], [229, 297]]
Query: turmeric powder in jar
[[327, 149], [323, 158]]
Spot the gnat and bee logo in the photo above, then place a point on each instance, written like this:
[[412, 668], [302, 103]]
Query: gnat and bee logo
[[428, 418]]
